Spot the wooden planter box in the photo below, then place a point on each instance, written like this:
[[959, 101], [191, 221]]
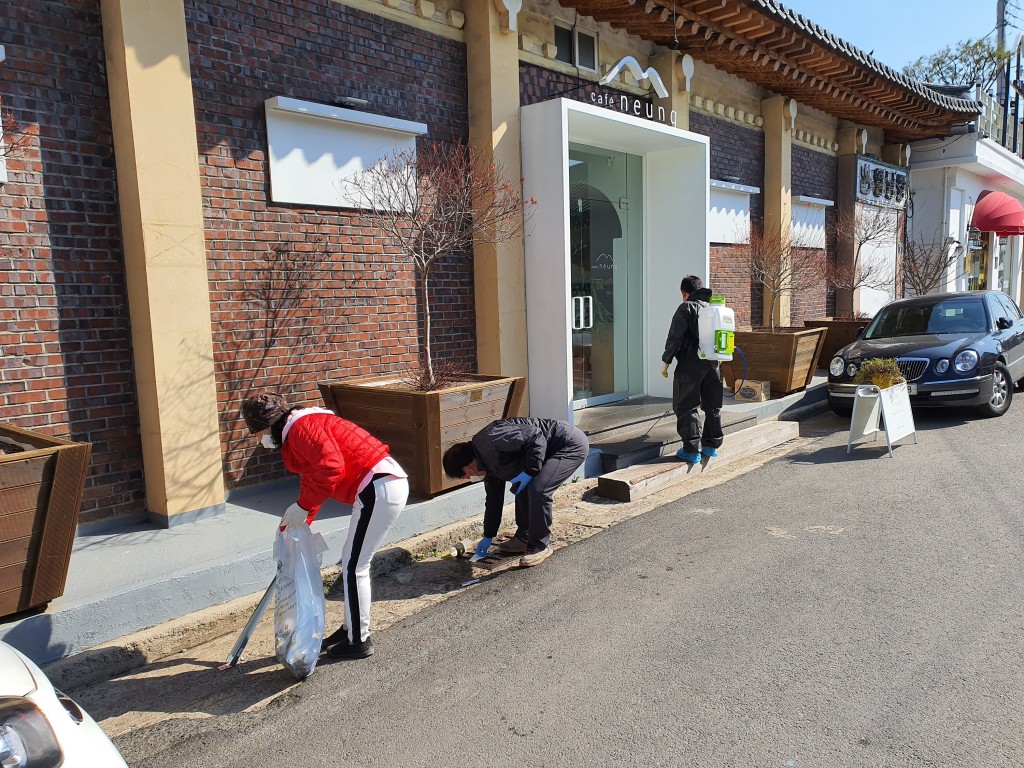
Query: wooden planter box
[[787, 357], [40, 495], [838, 334], [420, 426]]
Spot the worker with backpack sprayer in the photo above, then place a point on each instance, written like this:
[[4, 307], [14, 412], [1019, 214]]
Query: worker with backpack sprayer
[[697, 383]]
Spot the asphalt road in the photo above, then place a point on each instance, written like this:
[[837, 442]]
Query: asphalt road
[[823, 610]]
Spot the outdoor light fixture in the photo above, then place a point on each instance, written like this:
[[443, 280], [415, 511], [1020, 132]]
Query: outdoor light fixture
[[352, 102]]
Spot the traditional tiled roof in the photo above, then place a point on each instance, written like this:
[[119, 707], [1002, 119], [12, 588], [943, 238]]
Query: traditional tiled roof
[[840, 46], [764, 42]]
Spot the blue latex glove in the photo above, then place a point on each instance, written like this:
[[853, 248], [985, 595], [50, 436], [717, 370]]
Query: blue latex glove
[[483, 546], [520, 481]]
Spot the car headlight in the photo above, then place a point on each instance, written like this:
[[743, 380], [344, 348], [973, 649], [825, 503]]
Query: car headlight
[[966, 360], [837, 366], [942, 366], [851, 370], [26, 739]]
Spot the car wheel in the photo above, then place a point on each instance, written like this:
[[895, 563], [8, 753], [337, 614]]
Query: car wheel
[[1002, 392], [839, 408]]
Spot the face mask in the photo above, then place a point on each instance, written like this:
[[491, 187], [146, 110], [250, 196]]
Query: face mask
[[267, 441], [475, 478]]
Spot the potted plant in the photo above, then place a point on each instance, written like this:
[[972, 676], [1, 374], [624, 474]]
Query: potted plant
[[881, 372], [41, 483], [784, 355], [434, 202]]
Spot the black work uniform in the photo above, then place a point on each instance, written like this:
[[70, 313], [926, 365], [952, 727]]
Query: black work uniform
[[548, 449], [697, 383]]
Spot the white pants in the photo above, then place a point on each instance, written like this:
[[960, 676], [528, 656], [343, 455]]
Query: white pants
[[375, 509]]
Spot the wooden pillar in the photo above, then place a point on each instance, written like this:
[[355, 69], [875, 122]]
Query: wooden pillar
[[160, 195], [492, 53], [778, 113]]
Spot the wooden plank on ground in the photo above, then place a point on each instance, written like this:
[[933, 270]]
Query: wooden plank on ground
[[632, 483]]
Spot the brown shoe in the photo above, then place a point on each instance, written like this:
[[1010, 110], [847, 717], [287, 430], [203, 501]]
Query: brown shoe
[[513, 546], [535, 557]]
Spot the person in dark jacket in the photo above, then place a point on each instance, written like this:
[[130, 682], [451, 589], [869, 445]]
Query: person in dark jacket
[[536, 456], [697, 383], [335, 458]]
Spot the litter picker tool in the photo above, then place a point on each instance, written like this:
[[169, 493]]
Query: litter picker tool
[[250, 627]]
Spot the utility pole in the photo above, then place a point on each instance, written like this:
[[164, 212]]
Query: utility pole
[[1001, 88], [1001, 24]]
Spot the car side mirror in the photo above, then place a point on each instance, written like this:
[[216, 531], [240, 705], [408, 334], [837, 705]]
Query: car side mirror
[[1003, 323], [860, 331]]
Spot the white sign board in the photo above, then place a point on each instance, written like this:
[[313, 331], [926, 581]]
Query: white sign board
[[891, 404], [314, 147]]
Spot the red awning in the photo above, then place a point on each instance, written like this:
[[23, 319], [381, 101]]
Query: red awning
[[998, 212]]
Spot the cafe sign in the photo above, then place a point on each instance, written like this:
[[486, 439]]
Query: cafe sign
[[631, 105]]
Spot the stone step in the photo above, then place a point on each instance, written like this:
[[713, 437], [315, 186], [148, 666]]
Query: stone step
[[621, 450], [635, 482]]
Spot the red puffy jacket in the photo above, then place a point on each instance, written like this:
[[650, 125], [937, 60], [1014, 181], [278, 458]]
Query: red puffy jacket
[[330, 455]]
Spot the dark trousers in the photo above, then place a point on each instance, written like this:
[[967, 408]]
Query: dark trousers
[[533, 506], [697, 385]]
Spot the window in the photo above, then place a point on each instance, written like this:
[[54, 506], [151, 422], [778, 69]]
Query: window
[[586, 51], [576, 48], [976, 261], [563, 44], [1010, 310]]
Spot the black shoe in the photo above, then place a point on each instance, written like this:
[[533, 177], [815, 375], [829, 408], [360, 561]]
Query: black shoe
[[337, 636], [346, 650]]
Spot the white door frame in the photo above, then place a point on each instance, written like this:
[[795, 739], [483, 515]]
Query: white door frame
[[676, 173]]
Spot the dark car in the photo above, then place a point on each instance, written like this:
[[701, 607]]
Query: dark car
[[952, 348]]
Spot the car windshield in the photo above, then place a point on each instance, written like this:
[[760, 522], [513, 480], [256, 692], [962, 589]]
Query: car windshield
[[956, 315]]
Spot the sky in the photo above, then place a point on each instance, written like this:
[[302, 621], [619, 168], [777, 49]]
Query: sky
[[899, 31]]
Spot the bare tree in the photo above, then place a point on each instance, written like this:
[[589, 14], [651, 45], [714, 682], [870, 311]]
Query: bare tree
[[926, 263], [782, 266], [965, 63], [862, 230], [13, 141], [437, 202]]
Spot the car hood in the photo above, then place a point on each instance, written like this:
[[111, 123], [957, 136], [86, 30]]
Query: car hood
[[930, 345], [16, 677]]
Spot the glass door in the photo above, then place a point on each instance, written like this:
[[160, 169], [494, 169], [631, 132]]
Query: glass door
[[605, 214]]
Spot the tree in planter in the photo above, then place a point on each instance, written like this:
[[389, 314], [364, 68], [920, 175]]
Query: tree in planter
[[435, 202], [782, 267], [926, 263], [864, 229]]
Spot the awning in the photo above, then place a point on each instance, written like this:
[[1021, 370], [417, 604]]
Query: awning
[[998, 212]]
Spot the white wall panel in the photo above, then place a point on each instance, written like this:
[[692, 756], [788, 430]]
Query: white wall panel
[[313, 147]]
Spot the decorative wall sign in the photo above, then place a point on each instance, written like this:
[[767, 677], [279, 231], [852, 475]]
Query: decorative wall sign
[[639, 73], [881, 184]]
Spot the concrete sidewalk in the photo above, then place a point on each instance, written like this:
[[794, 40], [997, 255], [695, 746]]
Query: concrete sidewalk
[[139, 576], [126, 580]]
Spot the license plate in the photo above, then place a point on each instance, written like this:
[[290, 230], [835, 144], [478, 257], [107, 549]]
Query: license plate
[[911, 389]]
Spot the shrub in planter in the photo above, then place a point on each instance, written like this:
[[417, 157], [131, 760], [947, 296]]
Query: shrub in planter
[[882, 372]]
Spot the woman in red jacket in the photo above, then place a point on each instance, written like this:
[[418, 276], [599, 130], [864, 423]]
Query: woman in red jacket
[[336, 459]]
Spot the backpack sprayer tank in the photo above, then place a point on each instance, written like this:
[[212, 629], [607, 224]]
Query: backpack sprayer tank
[[716, 326]]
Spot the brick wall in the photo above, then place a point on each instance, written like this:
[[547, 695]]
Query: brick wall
[[816, 174], [737, 155], [65, 338], [298, 294]]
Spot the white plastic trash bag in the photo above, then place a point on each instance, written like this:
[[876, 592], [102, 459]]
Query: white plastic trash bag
[[299, 600]]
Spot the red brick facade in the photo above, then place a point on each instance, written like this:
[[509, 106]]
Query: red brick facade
[[300, 295], [297, 295], [66, 364]]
